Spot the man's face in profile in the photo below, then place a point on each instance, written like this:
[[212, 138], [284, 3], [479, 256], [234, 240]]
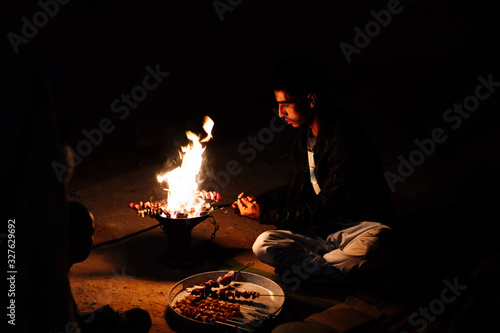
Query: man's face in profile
[[290, 109]]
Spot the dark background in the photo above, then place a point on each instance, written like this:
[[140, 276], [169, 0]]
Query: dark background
[[428, 58], [399, 86]]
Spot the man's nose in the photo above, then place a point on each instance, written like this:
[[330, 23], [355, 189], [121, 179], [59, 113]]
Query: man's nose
[[281, 110]]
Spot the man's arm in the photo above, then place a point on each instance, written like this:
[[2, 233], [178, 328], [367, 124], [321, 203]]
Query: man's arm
[[274, 198], [327, 206], [351, 180], [349, 174], [250, 206], [337, 177]]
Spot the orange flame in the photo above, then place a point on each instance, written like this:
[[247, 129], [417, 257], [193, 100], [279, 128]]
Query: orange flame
[[183, 180]]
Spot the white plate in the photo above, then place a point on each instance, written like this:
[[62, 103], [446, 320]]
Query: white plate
[[254, 311]]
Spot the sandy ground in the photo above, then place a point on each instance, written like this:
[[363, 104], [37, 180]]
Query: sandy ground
[[128, 273]]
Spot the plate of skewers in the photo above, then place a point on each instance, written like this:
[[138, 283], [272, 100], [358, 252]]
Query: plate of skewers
[[226, 299]]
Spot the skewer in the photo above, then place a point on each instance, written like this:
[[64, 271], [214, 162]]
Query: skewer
[[256, 310], [247, 265], [226, 205], [253, 314], [221, 206], [227, 324]]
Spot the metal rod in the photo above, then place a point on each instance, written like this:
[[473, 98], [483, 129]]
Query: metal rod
[[235, 321], [221, 206], [256, 310], [227, 324], [238, 320], [225, 205], [247, 265]]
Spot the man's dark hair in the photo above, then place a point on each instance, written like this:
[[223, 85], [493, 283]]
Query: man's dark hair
[[299, 77]]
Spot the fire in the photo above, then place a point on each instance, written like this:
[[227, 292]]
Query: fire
[[183, 193]]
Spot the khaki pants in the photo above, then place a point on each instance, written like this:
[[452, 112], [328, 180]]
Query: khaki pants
[[357, 247]]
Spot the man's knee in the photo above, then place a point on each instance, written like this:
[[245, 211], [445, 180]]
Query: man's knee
[[371, 250], [260, 244], [266, 245]]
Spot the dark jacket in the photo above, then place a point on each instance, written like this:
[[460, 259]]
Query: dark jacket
[[349, 174]]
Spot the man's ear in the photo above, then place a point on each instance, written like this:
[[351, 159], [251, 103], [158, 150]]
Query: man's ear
[[312, 100]]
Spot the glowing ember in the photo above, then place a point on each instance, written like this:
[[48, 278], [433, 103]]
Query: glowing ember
[[184, 199]]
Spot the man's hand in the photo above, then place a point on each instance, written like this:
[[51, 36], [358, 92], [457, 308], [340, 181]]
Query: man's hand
[[247, 206]]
